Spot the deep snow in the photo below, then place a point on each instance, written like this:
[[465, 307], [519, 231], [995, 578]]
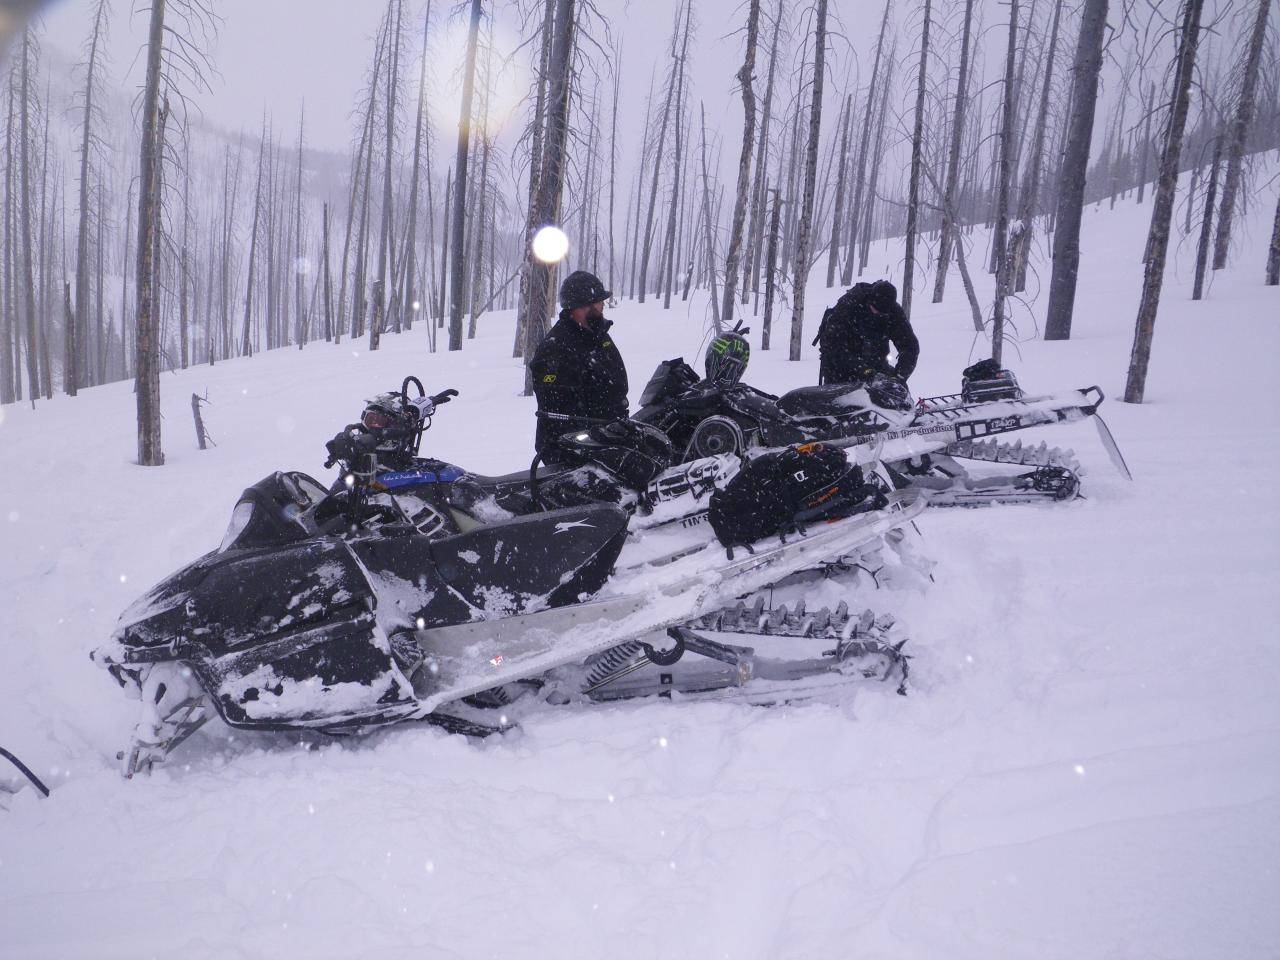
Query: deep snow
[[1088, 764]]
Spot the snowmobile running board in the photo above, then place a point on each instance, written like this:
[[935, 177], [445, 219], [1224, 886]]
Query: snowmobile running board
[[465, 659]]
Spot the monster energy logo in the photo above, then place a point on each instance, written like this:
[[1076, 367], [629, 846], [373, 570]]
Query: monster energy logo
[[724, 345]]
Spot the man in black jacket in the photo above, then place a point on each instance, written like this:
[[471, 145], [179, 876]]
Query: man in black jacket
[[577, 370], [855, 335]]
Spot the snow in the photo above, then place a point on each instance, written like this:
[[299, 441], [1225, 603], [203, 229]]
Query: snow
[[1087, 765]]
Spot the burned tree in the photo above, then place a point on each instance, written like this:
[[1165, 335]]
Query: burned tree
[[999, 243], [917, 145], [1240, 127], [552, 166], [1075, 162], [458, 266], [147, 349], [745, 81], [77, 321], [1162, 208], [946, 234], [802, 264]]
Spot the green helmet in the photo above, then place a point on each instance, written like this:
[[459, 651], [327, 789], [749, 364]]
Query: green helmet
[[727, 357]]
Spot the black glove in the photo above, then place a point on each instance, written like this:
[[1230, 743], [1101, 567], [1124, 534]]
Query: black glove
[[349, 445]]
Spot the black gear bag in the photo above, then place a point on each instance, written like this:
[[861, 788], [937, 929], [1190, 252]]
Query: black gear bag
[[778, 492]]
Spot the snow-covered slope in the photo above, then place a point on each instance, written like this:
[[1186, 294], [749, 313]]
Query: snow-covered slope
[[1088, 764]]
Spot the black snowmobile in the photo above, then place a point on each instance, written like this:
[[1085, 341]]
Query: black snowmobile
[[719, 414], [332, 611], [921, 443]]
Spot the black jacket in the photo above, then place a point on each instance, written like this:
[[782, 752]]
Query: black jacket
[[577, 373], [854, 341]]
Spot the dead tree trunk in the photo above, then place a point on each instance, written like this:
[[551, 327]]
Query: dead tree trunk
[[124, 280], [328, 279], [78, 321], [917, 145], [147, 347], [1028, 204], [184, 277], [999, 243], [668, 260], [358, 164], [1144, 151], [535, 174], [10, 382], [475, 291], [1273, 254], [559, 88], [445, 228], [837, 221], [28, 250], [385, 234], [458, 267], [1075, 163], [752, 282], [802, 263], [710, 235], [856, 214], [873, 182], [771, 269], [745, 81], [1162, 207], [647, 239], [1239, 134], [946, 235], [246, 343], [613, 158], [410, 297], [1206, 222]]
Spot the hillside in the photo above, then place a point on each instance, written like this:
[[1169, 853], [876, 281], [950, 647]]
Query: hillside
[[1086, 765]]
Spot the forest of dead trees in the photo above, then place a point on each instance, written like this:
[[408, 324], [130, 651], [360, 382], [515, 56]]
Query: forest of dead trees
[[137, 239]]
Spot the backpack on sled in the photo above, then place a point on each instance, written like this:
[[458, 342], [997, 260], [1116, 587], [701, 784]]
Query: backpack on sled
[[778, 492]]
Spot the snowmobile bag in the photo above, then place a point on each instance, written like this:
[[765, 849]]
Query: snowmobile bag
[[669, 380], [987, 380], [777, 492]]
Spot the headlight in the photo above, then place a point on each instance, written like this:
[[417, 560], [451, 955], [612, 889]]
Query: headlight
[[240, 518]]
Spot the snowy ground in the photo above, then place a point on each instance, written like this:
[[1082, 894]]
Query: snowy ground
[[1088, 764]]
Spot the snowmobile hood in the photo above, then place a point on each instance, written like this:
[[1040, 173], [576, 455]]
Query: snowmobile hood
[[229, 599]]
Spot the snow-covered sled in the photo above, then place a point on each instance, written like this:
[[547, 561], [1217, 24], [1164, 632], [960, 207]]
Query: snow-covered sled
[[299, 623]]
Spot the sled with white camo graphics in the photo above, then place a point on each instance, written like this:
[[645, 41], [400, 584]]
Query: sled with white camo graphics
[[922, 443], [290, 625]]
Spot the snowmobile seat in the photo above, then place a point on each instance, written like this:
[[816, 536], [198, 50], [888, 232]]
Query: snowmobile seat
[[828, 400], [519, 478]]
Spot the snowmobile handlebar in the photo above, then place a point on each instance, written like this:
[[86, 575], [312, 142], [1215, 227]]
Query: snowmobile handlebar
[[425, 405], [349, 444]]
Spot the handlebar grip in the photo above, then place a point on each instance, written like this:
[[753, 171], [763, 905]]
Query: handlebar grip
[[444, 396]]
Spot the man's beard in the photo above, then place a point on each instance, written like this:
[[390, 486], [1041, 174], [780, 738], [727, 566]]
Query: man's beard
[[595, 318]]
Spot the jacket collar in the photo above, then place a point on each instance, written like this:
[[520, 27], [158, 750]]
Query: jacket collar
[[571, 324]]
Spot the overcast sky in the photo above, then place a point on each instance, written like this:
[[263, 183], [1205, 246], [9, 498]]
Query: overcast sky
[[275, 53]]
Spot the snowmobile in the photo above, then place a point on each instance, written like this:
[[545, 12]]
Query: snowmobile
[[921, 442], [331, 611]]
